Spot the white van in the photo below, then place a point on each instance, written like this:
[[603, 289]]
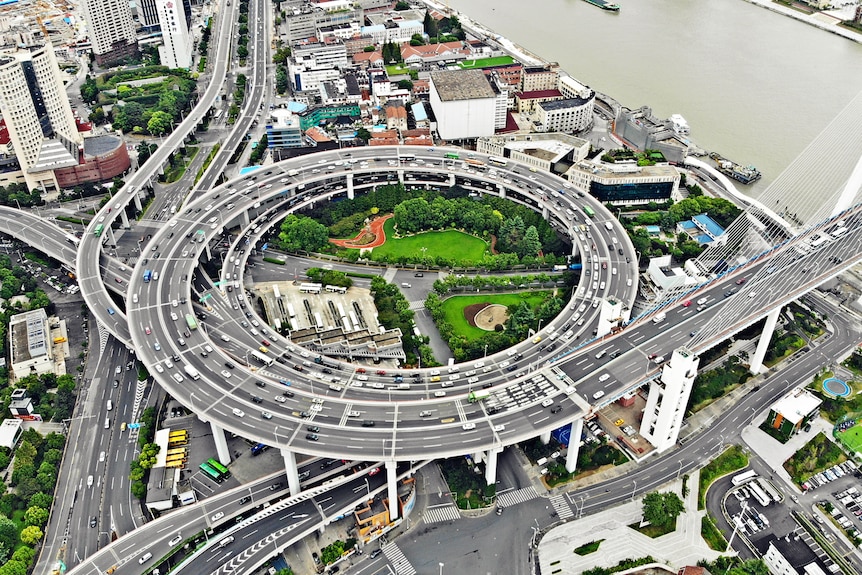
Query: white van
[[107, 422], [226, 541], [155, 276], [110, 405], [405, 285], [145, 557]]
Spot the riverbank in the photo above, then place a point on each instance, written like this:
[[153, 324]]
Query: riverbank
[[828, 20]]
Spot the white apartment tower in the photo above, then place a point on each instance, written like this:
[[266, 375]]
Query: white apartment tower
[[112, 31], [38, 116], [176, 51], [668, 396]]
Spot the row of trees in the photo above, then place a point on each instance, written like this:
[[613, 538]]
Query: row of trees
[[393, 312], [34, 476], [19, 195], [140, 467]]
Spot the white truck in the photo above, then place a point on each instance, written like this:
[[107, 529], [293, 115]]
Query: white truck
[[191, 371], [659, 318]]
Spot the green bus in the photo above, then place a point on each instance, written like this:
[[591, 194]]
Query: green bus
[[221, 469], [589, 211], [210, 472], [98, 231], [191, 321], [452, 155]]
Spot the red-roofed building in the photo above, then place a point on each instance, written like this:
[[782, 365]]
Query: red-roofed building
[[396, 115], [383, 142], [509, 75], [416, 133], [433, 53], [365, 60], [693, 570], [317, 135], [4, 133]]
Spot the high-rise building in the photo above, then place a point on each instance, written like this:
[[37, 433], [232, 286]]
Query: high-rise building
[[111, 30], [176, 51], [38, 117], [668, 396]]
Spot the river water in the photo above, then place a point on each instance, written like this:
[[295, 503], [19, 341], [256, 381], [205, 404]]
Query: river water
[[754, 85]]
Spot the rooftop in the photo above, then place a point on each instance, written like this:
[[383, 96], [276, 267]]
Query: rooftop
[[454, 85], [796, 405], [563, 104]]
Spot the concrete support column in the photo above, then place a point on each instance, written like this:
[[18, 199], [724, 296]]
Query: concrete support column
[[350, 193], [112, 240], [491, 466], [137, 201], [207, 251], [545, 437], [221, 444], [502, 190], [574, 444], [400, 177], [124, 218], [478, 457], [545, 212], [245, 219], [392, 489], [292, 471], [763, 343], [451, 179]]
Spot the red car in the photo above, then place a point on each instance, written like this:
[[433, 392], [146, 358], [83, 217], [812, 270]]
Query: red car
[[147, 330], [381, 372], [740, 281], [118, 280], [374, 471], [360, 370], [686, 303]]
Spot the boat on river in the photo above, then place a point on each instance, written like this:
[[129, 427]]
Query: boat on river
[[604, 5]]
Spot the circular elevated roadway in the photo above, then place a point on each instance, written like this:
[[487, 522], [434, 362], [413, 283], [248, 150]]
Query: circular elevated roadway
[[418, 422]]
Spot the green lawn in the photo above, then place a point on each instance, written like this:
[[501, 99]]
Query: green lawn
[[852, 438], [453, 307], [451, 244], [487, 62]]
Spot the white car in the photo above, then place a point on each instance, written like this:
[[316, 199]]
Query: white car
[[217, 516], [468, 426], [238, 412], [353, 414], [160, 369], [225, 373], [174, 316], [604, 377], [280, 399], [547, 402]]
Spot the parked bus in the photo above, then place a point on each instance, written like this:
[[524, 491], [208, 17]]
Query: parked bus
[[741, 478], [178, 438], [259, 448], [210, 472], [759, 494], [175, 451], [589, 211], [98, 231], [175, 462], [191, 321], [215, 464], [336, 289], [497, 161], [310, 288], [264, 359], [451, 156]]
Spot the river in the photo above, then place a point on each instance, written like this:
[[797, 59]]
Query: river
[[753, 85]]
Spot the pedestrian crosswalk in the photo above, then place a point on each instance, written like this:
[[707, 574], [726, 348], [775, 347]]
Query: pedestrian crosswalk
[[562, 507], [399, 562], [416, 305], [510, 498], [441, 513]]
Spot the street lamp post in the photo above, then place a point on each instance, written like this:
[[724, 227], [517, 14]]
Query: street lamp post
[[679, 471], [634, 488], [441, 568]]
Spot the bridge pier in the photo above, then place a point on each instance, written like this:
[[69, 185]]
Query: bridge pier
[[491, 465], [574, 444], [667, 398], [545, 437], [124, 218], [220, 443], [502, 190], [392, 489], [137, 199], [400, 173], [350, 192], [245, 219], [292, 471], [451, 179], [756, 363], [546, 212]]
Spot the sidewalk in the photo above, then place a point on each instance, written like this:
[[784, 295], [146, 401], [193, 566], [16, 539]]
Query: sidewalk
[[682, 547]]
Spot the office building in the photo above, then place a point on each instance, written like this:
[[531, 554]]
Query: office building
[[176, 49], [111, 30], [38, 117], [465, 104]]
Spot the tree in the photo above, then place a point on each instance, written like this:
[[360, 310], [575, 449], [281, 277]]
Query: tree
[[405, 84], [97, 116], [530, 244], [40, 500], [89, 90], [160, 123], [662, 509], [281, 80], [430, 25], [417, 40], [31, 535], [302, 233], [363, 134], [8, 532], [402, 5], [37, 516]]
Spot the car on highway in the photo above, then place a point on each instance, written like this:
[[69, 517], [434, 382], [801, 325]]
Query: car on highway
[[740, 281], [157, 346], [266, 415], [217, 516], [619, 422], [547, 402], [374, 472], [175, 541], [686, 303], [311, 436], [225, 373], [147, 330], [159, 368], [238, 412], [93, 521]]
